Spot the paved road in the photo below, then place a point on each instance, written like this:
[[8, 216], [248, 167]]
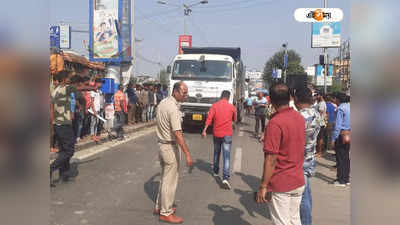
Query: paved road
[[118, 187]]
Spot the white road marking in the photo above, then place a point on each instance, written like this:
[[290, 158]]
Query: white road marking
[[237, 163], [80, 155], [240, 133]]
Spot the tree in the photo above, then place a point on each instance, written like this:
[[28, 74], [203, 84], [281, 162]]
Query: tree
[[276, 62], [133, 80], [337, 86], [164, 77]]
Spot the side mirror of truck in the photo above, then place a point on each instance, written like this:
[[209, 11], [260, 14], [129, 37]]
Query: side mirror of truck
[[168, 69]]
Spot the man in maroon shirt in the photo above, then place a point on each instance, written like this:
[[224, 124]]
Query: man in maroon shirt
[[283, 177], [223, 113]]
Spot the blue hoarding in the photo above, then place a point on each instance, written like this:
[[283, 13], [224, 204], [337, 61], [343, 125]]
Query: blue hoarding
[[55, 37], [110, 30], [320, 70]]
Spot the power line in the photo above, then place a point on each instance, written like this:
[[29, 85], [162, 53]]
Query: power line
[[158, 14], [231, 4], [202, 33], [231, 9], [157, 24], [139, 56]]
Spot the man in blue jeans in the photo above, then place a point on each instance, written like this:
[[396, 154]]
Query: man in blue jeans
[[222, 114], [303, 101]]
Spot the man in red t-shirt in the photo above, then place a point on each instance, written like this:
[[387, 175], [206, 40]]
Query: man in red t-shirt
[[284, 143], [224, 114]]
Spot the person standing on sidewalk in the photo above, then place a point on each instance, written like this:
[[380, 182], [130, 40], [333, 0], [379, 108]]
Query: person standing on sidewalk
[[249, 105], [96, 100], [341, 140], [224, 114], [132, 104], [331, 115], [121, 109], [259, 106], [88, 105], [169, 133], [145, 103], [139, 110], [61, 118], [321, 106], [303, 101], [283, 175], [151, 105]]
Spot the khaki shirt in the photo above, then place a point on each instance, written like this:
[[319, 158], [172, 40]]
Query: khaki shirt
[[61, 99], [144, 97], [169, 119]]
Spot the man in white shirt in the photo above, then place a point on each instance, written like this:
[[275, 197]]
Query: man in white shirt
[[321, 108], [96, 99]]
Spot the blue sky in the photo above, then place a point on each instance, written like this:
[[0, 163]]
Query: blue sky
[[259, 27]]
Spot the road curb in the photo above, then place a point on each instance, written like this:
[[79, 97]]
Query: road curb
[[104, 139]]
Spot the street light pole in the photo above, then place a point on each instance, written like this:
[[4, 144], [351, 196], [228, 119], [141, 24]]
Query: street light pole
[[186, 10], [285, 62], [326, 57]]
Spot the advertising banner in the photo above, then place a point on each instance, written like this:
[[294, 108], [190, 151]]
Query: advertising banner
[[320, 72], [104, 36], [185, 41], [65, 36], [55, 37], [325, 35]]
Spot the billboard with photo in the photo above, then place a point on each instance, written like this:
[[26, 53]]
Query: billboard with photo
[[320, 72], [104, 34], [65, 36], [325, 35], [55, 37]]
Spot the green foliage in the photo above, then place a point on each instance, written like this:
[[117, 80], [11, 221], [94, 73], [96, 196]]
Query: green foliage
[[276, 61], [337, 86], [164, 77], [133, 80]]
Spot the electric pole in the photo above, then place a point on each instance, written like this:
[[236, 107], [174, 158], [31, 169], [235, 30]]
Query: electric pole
[[326, 57]]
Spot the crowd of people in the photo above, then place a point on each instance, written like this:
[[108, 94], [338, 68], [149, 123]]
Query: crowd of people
[[326, 119], [301, 123], [297, 126], [81, 111]]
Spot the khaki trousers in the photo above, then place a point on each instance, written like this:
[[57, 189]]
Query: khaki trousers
[[285, 207], [132, 113], [169, 160]]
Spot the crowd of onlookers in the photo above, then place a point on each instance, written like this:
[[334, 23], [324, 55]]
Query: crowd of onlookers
[[94, 112], [326, 104], [302, 124]]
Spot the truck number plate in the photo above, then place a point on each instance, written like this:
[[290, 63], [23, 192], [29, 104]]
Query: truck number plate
[[197, 117]]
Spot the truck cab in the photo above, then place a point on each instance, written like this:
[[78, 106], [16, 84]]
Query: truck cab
[[207, 72]]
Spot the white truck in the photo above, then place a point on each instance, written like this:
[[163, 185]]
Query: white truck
[[207, 72]]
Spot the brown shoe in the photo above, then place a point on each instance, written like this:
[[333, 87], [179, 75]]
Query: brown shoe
[[171, 219], [157, 211]]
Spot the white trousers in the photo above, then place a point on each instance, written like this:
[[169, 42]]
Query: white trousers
[[285, 207]]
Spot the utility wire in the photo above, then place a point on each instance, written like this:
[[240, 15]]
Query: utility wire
[[157, 14], [231, 4], [201, 32], [139, 56], [161, 27], [231, 9]]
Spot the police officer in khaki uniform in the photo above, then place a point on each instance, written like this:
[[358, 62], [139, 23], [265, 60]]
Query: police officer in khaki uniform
[[170, 138]]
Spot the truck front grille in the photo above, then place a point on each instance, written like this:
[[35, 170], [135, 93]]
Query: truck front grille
[[202, 100]]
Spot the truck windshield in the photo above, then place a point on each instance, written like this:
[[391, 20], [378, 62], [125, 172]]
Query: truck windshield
[[205, 70]]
